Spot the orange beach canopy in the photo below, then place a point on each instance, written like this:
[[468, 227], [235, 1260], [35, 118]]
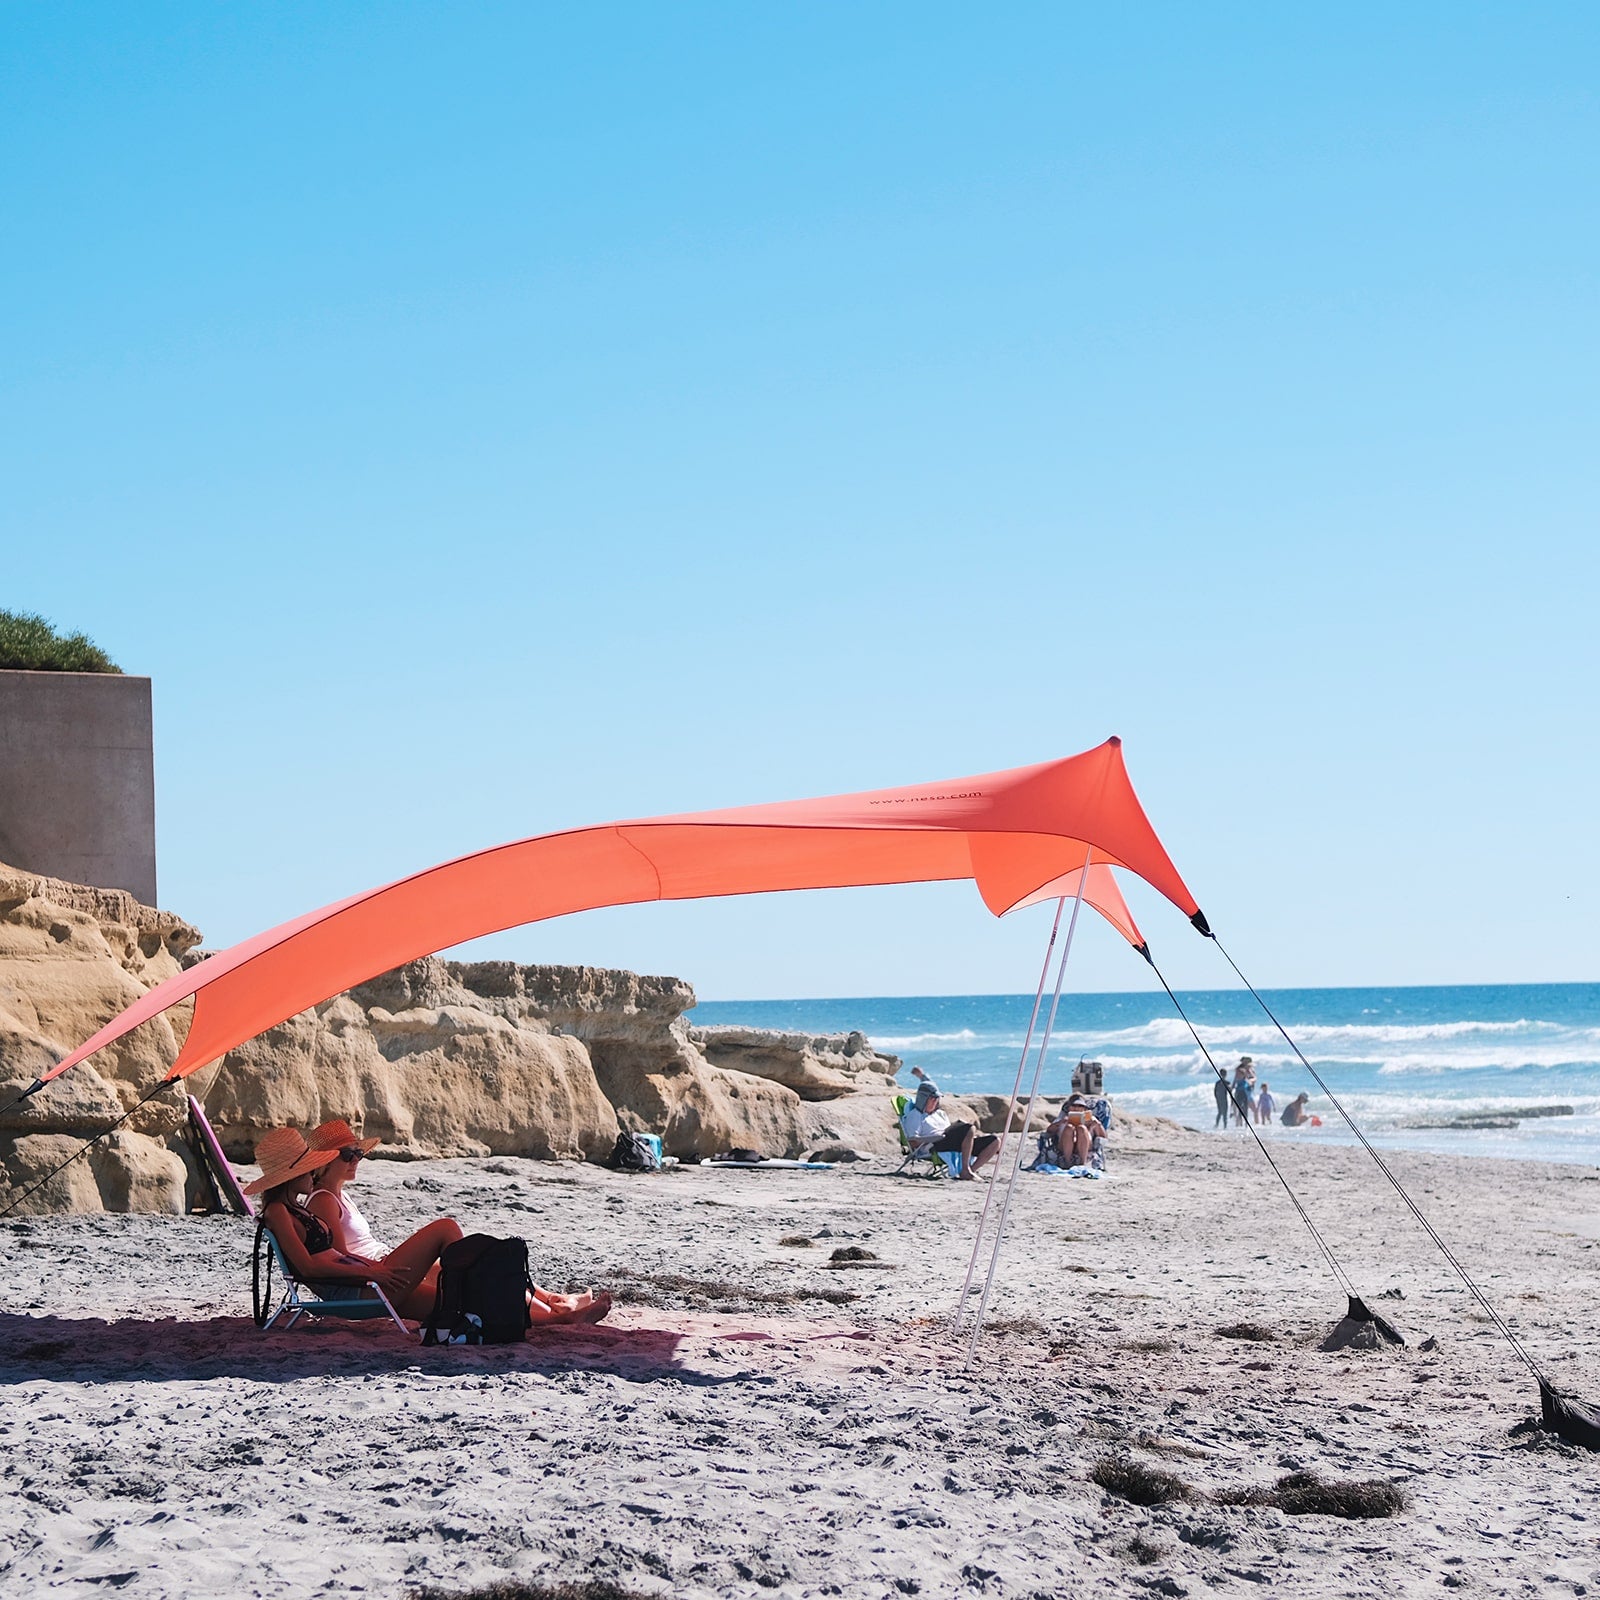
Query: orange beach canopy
[[1021, 836]]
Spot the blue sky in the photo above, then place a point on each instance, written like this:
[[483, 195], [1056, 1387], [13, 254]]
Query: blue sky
[[480, 420]]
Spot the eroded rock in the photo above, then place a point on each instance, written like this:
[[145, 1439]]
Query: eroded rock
[[437, 1058]]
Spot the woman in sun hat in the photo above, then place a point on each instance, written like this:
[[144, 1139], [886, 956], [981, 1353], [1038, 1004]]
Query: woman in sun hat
[[328, 1199], [288, 1160], [351, 1233], [314, 1250]]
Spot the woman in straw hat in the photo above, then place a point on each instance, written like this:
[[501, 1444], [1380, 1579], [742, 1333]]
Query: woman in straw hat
[[288, 1162], [351, 1233]]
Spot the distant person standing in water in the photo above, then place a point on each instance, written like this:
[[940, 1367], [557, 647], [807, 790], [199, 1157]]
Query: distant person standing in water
[[1265, 1104], [1220, 1091], [1244, 1081]]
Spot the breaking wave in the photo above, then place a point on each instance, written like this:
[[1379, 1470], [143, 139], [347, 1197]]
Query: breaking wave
[[1395, 1057]]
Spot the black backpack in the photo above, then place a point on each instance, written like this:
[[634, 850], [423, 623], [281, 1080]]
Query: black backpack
[[482, 1298], [634, 1153]]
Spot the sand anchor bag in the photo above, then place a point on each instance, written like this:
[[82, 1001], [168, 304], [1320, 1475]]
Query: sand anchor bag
[[483, 1292]]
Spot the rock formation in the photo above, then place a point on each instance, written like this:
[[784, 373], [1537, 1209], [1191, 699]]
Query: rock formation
[[71, 958], [816, 1067], [437, 1058]]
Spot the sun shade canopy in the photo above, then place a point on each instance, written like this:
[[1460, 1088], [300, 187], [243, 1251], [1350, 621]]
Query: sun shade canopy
[[1021, 836]]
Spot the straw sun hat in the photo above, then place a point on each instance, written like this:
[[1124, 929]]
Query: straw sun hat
[[282, 1154], [338, 1135]]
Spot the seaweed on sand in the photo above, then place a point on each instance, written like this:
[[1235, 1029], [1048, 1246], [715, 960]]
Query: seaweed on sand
[[516, 1589], [1305, 1494], [664, 1288], [1131, 1480], [1252, 1332], [1017, 1328]]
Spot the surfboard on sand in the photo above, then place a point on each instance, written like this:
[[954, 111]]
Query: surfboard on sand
[[786, 1166], [217, 1163]]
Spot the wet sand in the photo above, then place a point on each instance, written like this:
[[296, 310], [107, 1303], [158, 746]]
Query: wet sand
[[758, 1421]]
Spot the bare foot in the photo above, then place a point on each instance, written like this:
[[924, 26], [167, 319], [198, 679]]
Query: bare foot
[[598, 1308], [585, 1308]]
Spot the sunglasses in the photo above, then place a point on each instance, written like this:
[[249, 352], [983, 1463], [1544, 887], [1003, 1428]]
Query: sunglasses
[[351, 1152]]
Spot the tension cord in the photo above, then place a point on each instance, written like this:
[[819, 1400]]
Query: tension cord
[[150, 1093], [1340, 1275], [27, 1094], [1399, 1188]]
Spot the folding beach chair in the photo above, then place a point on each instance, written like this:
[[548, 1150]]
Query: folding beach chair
[[919, 1158], [297, 1299]]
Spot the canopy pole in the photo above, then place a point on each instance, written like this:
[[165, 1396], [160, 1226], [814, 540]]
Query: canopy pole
[[1027, 1116], [1011, 1107]]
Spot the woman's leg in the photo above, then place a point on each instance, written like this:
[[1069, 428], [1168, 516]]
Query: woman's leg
[[418, 1259]]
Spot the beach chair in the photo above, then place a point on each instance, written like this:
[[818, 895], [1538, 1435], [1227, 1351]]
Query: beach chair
[[271, 1278], [918, 1157]]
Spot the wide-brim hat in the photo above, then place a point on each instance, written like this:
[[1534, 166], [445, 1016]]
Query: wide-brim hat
[[282, 1154], [337, 1135]]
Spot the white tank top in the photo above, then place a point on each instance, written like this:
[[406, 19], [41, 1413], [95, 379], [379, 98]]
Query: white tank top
[[358, 1236]]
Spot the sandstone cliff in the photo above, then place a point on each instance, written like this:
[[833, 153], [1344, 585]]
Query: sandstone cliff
[[71, 958], [437, 1058]]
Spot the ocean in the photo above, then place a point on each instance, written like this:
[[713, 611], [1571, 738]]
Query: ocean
[[1402, 1060]]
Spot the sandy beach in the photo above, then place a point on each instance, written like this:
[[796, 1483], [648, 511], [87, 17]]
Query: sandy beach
[[758, 1420]]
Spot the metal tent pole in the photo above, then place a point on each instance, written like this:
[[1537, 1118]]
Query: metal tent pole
[[1016, 1089], [1027, 1116]]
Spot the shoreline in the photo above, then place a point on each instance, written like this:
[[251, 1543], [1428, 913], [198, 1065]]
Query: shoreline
[[761, 1421], [1577, 1149], [1404, 1061]]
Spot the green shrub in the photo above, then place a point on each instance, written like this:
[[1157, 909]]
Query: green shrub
[[29, 644]]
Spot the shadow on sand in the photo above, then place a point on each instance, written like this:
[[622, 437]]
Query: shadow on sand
[[170, 1350]]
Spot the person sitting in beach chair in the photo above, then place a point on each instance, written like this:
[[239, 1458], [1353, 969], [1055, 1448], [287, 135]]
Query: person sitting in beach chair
[[924, 1124], [352, 1235], [311, 1251], [1076, 1133], [920, 1154]]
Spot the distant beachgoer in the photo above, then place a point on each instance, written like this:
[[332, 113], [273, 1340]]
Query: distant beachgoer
[[926, 1125], [1295, 1114], [1224, 1101], [1244, 1080], [1265, 1104], [339, 1214]]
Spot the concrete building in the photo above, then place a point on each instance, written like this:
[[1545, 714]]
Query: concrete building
[[77, 778]]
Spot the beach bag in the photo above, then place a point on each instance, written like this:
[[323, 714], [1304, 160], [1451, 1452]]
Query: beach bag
[[483, 1292], [635, 1152]]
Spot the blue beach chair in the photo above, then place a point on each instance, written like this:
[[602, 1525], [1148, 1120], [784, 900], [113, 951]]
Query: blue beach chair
[[296, 1299]]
